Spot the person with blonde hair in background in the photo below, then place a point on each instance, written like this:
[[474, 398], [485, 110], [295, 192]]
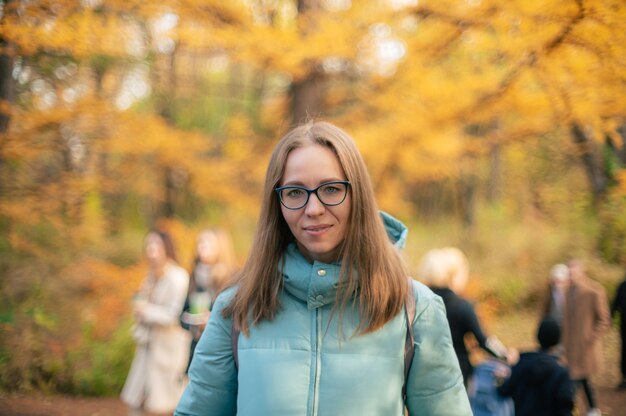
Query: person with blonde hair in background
[[559, 282], [212, 269], [446, 272], [323, 316], [156, 376]]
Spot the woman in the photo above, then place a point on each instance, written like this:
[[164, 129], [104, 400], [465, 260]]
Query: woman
[[320, 303], [446, 272], [155, 380], [212, 268]]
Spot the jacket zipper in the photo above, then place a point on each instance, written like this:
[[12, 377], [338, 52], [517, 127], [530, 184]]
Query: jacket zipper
[[318, 353]]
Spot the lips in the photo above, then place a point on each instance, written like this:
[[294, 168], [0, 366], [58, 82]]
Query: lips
[[316, 229]]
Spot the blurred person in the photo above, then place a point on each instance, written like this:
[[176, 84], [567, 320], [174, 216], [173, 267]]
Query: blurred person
[[211, 271], [316, 323], [585, 319], [619, 306], [559, 283], [155, 379], [483, 389], [538, 383], [446, 272]]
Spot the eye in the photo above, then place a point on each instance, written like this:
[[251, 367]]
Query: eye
[[295, 193], [330, 189]]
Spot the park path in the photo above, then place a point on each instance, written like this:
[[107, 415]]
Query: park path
[[613, 404]]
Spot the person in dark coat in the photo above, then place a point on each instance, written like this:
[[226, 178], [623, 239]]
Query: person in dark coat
[[446, 271], [619, 306], [538, 384]]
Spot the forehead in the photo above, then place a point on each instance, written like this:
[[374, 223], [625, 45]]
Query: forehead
[[574, 264], [153, 238], [207, 236], [312, 164]]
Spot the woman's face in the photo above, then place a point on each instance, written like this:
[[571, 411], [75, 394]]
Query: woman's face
[[319, 229], [155, 249], [207, 248]]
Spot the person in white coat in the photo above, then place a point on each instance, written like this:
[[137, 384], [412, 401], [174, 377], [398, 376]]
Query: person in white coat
[[156, 378]]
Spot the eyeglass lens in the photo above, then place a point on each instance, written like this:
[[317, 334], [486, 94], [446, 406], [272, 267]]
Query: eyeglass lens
[[328, 194]]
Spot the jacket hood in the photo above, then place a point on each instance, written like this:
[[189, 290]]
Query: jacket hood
[[396, 230], [317, 283]]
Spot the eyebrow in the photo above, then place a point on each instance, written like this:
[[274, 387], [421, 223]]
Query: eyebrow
[[300, 183]]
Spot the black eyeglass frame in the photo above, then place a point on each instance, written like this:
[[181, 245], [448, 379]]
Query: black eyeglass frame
[[311, 191]]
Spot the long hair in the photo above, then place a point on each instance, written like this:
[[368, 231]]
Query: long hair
[[371, 267], [168, 244]]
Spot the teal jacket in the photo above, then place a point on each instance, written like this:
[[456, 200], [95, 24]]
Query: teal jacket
[[297, 365]]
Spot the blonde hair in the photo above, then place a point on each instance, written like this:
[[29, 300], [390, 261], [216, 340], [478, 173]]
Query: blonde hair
[[224, 265], [444, 268], [371, 266], [559, 273]]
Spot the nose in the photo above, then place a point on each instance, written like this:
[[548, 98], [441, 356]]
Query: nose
[[314, 206]]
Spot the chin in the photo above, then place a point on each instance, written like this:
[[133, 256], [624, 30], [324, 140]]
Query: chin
[[322, 252]]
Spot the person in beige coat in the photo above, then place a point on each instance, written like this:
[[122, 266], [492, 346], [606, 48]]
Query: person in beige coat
[[585, 319], [156, 378]]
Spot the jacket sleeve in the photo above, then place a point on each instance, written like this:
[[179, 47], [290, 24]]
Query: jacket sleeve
[[473, 325], [603, 316], [618, 299], [186, 308], [564, 394], [435, 384], [212, 388], [508, 387]]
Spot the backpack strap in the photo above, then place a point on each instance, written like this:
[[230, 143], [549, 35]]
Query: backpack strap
[[234, 337], [409, 347]]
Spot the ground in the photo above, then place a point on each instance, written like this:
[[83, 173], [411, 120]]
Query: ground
[[37, 405], [515, 330], [613, 404]]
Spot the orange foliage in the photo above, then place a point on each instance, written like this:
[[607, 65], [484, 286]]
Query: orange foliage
[[127, 111], [109, 290]]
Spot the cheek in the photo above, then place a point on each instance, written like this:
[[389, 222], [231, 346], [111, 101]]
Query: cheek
[[154, 251], [289, 217], [345, 213]]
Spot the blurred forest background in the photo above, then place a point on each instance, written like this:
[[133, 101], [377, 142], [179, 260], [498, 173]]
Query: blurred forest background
[[495, 126]]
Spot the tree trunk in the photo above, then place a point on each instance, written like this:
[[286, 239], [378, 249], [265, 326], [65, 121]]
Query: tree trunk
[[166, 110], [591, 160], [7, 92], [306, 93], [7, 86], [306, 98], [467, 201], [494, 190], [621, 151]]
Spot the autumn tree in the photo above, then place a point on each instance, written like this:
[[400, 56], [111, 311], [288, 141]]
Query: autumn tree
[[116, 114]]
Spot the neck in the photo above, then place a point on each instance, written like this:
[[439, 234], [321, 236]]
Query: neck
[[157, 268]]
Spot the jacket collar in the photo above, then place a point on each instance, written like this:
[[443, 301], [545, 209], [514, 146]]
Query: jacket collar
[[316, 283]]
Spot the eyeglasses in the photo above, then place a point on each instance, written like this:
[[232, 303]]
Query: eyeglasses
[[329, 193]]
